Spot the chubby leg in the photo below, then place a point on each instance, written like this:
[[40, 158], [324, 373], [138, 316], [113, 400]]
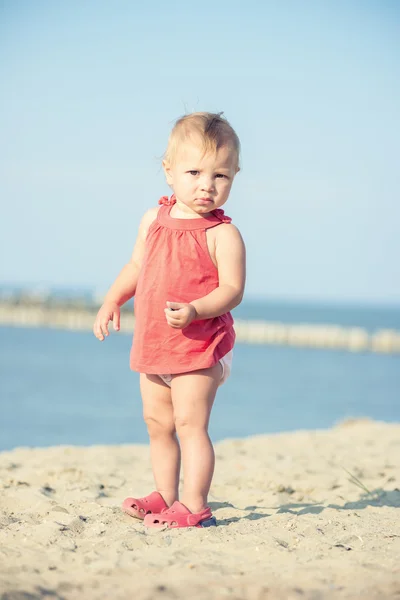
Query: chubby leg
[[164, 447], [192, 398]]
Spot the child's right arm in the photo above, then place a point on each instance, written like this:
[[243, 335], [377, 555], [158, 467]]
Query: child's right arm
[[124, 287]]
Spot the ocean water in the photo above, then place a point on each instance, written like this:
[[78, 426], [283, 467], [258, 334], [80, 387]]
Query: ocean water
[[62, 387]]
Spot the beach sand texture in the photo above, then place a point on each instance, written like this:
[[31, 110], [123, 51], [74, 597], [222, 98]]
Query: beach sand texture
[[293, 523]]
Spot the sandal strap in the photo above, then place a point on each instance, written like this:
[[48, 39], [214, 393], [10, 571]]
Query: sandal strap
[[191, 519], [153, 502], [194, 519]]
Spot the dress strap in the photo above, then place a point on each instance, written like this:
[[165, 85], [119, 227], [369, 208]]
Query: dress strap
[[218, 213], [165, 201]]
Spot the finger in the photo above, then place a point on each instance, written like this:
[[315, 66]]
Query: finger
[[104, 328], [175, 305], [97, 332], [172, 316], [175, 326], [116, 320], [172, 321]]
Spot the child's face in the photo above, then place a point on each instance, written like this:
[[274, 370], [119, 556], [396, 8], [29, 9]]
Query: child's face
[[201, 182]]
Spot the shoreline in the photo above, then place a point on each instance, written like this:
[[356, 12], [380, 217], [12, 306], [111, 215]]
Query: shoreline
[[304, 514], [304, 335]]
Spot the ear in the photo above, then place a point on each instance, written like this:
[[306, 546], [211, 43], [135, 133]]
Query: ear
[[167, 170]]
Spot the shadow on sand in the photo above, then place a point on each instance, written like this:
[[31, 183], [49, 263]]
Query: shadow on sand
[[378, 497]]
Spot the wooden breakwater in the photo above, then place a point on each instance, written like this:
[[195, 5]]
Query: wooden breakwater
[[81, 318]]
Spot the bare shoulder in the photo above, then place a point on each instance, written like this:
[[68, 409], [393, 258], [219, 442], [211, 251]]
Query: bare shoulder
[[227, 233], [147, 219], [230, 256], [150, 216]]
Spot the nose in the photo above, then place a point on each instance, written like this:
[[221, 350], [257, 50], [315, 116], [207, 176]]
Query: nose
[[207, 184]]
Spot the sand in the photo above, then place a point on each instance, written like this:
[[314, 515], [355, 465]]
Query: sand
[[293, 523]]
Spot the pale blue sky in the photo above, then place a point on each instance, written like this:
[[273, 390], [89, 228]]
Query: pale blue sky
[[89, 91]]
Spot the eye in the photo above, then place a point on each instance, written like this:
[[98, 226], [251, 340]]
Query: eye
[[221, 176], [194, 173]]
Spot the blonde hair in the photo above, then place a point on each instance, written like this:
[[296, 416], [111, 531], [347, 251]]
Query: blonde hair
[[212, 128]]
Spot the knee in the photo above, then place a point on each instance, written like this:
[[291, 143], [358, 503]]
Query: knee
[[186, 425], [158, 428]]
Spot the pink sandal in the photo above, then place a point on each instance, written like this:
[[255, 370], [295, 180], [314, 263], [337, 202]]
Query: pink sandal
[[178, 515], [140, 507]]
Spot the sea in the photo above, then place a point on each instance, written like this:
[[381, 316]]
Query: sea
[[65, 387]]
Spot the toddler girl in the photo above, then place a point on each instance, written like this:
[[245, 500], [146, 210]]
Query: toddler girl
[[187, 271]]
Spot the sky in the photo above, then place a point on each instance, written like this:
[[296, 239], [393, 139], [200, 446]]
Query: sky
[[90, 91]]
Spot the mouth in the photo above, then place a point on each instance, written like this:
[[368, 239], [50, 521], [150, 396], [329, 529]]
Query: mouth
[[204, 201]]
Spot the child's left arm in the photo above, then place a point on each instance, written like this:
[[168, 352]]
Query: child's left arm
[[230, 254]]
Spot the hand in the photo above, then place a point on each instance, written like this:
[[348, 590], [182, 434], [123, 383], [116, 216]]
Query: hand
[[179, 315], [110, 311]]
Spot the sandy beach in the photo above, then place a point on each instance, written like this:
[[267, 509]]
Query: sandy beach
[[306, 515]]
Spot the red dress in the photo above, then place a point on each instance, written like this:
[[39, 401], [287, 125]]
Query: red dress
[[177, 267]]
